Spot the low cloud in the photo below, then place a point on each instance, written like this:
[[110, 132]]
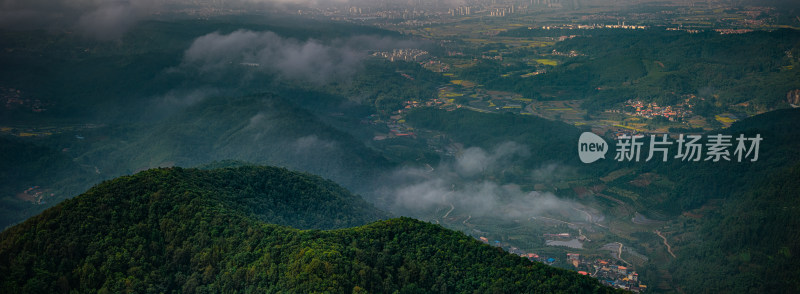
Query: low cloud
[[552, 172], [174, 101], [474, 161], [459, 183], [260, 126], [98, 19], [310, 60], [108, 21], [185, 98], [312, 144]]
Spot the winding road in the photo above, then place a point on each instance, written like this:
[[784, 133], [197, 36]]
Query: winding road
[[620, 254], [669, 248], [449, 211]]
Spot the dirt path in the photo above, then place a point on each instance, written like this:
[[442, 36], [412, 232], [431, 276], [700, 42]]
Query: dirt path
[[611, 198], [669, 248], [449, 211], [619, 254], [580, 234], [589, 217], [466, 220], [552, 219]]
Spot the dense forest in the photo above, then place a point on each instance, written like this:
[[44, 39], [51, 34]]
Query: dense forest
[[750, 242], [224, 230]]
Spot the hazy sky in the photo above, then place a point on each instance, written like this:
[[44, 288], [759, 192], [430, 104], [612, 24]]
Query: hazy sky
[[101, 19], [108, 19]]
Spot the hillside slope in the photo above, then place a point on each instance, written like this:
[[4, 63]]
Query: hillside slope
[[189, 230]]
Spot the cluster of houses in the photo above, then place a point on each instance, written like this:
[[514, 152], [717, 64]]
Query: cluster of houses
[[403, 54], [619, 25], [35, 195], [732, 31], [651, 110], [571, 53], [514, 250], [12, 99], [396, 124], [608, 273], [446, 100]]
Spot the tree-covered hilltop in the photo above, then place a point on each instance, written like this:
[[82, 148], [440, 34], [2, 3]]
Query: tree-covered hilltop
[[190, 230]]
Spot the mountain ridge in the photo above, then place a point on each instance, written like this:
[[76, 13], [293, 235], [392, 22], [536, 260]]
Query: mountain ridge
[[176, 230]]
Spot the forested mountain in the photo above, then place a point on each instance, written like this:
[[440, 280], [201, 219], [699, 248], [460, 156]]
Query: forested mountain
[[88, 110], [747, 239], [190, 230], [612, 66]]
